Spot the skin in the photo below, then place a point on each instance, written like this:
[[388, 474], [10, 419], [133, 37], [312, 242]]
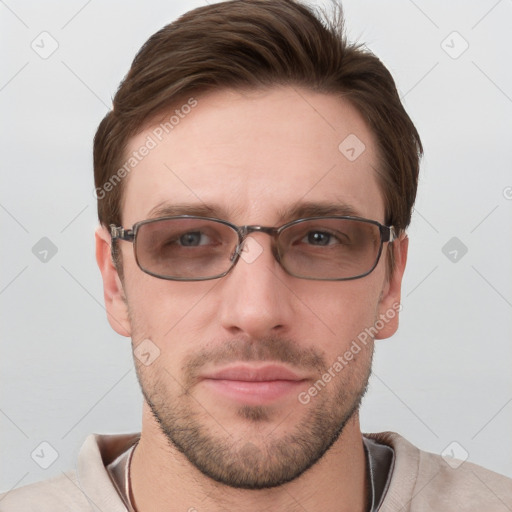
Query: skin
[[254, 154]]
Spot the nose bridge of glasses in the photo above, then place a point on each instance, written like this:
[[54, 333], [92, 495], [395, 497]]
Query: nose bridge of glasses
[[245, 231]]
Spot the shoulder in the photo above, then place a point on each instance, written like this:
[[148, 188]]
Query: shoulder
[[423, 481], [84, 489], [61, 493]]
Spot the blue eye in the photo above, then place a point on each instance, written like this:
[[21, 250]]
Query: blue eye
[[319, 238], [324, 238], [193, 239]]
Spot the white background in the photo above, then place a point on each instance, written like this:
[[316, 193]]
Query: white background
[[444, 377]]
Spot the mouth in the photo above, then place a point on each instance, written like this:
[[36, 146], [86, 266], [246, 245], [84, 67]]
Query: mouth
[[253, 385]]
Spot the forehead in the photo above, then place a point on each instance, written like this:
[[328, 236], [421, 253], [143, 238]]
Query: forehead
[[251, 157]]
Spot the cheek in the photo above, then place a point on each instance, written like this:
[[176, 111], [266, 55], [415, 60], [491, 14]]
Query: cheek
[[346, 309], [166, 310], [180, 316], [163, 326]]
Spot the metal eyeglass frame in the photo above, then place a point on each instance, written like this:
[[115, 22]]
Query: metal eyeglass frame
[[387, 234]]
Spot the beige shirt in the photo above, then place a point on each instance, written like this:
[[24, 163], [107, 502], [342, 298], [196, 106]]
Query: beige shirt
[[420, 482]]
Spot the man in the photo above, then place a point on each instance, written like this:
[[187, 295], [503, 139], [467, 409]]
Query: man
[[255, 179]]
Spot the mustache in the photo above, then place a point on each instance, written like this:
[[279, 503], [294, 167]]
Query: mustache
[[269, 348]]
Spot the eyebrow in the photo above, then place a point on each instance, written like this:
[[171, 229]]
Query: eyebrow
[[298, 210], [317, 209], [200, 209]]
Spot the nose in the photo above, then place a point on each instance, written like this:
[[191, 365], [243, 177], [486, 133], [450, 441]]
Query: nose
[[256, 295]]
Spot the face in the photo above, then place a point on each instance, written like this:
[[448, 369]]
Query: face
[[234, 361]]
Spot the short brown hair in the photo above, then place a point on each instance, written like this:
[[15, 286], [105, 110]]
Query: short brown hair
[[250, 44]]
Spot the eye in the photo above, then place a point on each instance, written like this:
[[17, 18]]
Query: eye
[[323, 238], [193, 239], [318, 238]]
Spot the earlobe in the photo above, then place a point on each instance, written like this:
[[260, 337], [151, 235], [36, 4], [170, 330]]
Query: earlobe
[[113, 292], [389, 304]]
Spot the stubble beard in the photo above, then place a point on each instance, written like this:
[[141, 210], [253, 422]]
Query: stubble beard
[[257, 461]]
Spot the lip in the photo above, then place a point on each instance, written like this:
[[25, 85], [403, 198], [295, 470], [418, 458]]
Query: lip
[[250, 373], [253, 385]]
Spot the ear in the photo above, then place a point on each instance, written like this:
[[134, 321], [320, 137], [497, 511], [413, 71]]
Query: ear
[[389, 304], [113, 292]]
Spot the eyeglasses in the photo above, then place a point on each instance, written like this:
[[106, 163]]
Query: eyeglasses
[[192, 248]]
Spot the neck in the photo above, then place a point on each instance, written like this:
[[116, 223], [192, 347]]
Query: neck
[[161, 475]]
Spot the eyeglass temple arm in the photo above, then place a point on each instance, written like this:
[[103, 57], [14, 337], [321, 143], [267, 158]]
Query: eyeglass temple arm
[[389, 234], [121, 233]]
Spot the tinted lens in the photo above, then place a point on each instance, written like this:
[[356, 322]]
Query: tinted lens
[[330, 248], [185, 248]]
